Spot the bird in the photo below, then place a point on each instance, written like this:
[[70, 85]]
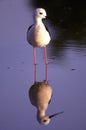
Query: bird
[[38, 34], [40, 94]]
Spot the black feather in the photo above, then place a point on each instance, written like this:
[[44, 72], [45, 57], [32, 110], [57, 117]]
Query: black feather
[[50, 100], [30, 27], [47, 28]]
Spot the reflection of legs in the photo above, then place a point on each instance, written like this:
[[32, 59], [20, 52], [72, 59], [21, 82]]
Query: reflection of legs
[[46, 62], [34, 64], [46, 73], [34, 72], [45, 55]]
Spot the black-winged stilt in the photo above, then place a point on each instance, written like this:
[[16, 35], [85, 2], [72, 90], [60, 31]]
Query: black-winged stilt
[[38, 34]]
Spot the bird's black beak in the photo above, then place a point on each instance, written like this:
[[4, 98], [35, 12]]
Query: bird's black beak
[[56, 114]]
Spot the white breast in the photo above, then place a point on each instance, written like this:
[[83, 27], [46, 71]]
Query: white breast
[[38, 36]]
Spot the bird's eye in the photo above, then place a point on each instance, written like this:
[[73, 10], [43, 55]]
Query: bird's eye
[[41, 13], [44, 120]]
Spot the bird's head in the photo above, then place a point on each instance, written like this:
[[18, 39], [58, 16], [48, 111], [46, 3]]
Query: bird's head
[[40, 12], [45, 120]]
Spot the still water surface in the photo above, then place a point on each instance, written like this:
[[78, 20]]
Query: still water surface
[[66, 73]]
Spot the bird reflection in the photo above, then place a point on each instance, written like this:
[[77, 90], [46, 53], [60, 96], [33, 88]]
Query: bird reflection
[[40, 94]]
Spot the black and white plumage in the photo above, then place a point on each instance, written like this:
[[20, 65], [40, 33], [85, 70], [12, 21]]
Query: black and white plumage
[[37, 33]]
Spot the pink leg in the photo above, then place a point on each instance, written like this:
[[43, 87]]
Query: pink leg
[[34, 55], [46, 73], [45, 55], [34, 64], [34, 72]]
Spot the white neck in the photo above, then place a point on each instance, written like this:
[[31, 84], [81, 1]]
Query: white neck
[[38, 20], [40, 114]]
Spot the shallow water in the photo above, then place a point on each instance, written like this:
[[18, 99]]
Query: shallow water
[[66, 72]]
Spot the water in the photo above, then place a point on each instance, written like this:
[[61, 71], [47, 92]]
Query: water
[[66, 72]]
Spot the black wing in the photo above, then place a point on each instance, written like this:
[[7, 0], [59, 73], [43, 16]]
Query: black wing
[[47, 28], [30, 27], [50, 100]]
